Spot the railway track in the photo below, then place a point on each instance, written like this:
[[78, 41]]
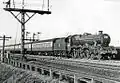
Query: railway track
[[97, 71], [106, 64], [102, 64], [95, 68], [79, 64], [109, 64]]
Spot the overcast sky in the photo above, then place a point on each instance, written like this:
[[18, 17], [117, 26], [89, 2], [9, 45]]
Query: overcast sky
[[68, 17]]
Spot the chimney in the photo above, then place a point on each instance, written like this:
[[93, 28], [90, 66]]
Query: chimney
[[100, 32]]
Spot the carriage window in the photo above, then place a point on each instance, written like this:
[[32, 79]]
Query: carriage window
[[28, 67], [20, 64], [23, 66], [33, 68]]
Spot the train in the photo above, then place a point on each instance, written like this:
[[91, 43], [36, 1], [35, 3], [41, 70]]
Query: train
[[82, 46]]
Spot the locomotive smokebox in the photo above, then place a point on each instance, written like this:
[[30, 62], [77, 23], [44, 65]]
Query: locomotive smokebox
[[100, 32]]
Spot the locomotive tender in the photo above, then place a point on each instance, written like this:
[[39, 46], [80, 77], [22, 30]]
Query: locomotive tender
[[89, 46]]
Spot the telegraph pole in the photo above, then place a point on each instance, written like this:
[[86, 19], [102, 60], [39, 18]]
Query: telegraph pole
[[3, 49], [24, 13]]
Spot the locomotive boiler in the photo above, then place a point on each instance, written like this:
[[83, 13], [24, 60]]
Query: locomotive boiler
[[87, 38]]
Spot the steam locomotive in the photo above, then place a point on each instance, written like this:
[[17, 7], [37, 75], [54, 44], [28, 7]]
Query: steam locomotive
[[88, 46]]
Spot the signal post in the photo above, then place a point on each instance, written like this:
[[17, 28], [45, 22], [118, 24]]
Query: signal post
[[22, 20], [3, 49]]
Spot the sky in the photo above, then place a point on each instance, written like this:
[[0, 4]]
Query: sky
[[68, 17]]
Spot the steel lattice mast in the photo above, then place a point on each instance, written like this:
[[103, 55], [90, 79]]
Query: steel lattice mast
[[24, 12]]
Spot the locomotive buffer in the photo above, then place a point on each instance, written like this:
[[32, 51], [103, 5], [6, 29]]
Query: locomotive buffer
[[24, 13]]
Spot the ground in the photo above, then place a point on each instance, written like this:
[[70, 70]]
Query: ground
[[9, 74]]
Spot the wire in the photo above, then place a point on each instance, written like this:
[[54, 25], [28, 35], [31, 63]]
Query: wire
[[1, 12], [43, 5], [13, 3], [16, 36], [23, 4]]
